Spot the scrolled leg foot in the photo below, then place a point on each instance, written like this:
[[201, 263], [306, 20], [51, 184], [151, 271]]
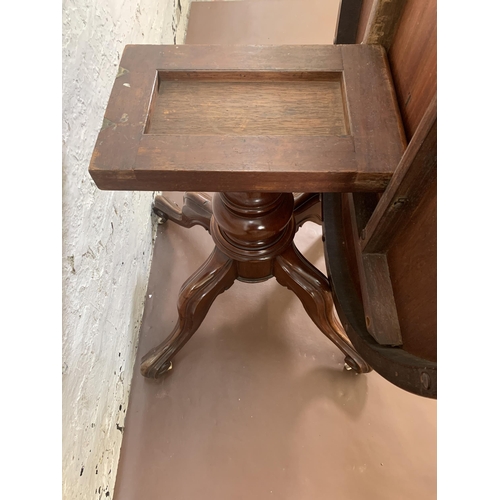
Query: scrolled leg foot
[[215, 276], [295, 272], [358, 365], [197, 210]]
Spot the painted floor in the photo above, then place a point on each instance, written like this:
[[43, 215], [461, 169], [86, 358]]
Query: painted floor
[[258, 405]]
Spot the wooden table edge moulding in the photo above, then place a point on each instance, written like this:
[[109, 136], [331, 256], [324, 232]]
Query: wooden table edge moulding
[[269, 129]]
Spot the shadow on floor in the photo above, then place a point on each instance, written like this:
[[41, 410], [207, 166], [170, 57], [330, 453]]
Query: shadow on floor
[[258, 405]]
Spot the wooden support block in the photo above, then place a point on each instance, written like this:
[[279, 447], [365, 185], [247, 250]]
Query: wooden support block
[[381, 315]]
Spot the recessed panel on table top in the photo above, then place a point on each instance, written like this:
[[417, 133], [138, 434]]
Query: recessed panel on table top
[[248, 103], [250, 118]]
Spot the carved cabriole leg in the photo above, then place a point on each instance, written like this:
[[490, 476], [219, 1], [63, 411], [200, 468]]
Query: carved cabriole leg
[[253, 235], [307, 207], [293, 271], [197, 210], [215, 276]]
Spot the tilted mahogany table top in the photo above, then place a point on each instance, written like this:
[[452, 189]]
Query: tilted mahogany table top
[[250, 118]]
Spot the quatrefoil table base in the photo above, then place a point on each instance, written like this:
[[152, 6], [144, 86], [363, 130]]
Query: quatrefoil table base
[[253, 235]]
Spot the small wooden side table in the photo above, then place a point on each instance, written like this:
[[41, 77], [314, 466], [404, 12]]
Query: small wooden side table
[[268, 129]]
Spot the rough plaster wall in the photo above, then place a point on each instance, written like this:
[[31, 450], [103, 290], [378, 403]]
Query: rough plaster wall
[[107, 243]]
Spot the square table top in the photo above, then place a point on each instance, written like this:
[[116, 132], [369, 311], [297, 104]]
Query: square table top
[[295, 118]]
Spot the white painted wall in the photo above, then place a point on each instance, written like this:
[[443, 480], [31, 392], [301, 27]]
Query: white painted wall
[[107, 240], [107, 243]]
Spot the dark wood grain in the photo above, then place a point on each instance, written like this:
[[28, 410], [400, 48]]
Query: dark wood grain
[[307, 207], [299, 136], [197, 294], [293, 271], [408, 371], [245, 104], [408, 30], [413, 58], [381, 315], [196, 211], [402, 227], [411, 180], [253, 234], [412, 260], [396, 249], [236, 58], [376, 126], [274, 163]]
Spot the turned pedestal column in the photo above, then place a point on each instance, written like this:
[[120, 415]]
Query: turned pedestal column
[[253, 234]]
